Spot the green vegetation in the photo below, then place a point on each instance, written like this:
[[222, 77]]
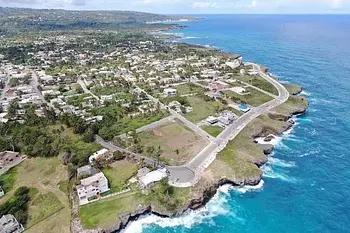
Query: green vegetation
[[17, 205], [294, 103], [177, 143], [20, 20], [7, 180], [188, 88], [63, 186], [238, 156], [118, 174], [105, 212], [43, 206], [254, 98], [293, 89], [113, 126], [202, 108], [212, 130], [167, 198], [77, 100]]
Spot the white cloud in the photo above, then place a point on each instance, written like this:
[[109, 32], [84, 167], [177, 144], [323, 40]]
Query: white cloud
[[205, 5], [336, 4], [254, 3]]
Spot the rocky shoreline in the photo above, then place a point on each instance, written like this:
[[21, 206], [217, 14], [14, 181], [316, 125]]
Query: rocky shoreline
[[195, 203]]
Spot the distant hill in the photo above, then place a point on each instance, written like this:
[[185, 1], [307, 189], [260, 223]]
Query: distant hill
[[19, 20]]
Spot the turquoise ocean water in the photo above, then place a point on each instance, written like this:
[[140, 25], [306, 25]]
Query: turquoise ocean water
[[307, 180]]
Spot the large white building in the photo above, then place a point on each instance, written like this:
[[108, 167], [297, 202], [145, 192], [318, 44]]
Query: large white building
[[169, 91], [92, 186], [9, 224]]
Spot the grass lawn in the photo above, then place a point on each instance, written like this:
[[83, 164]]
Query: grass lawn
[[43, 176], [7, 180], [212, 130], [292, 104], [202, 109], [104, 213], [42, 207], [254, 98], [118, 174], [178, 143], [188, 88], [236, 159], [292, 89]]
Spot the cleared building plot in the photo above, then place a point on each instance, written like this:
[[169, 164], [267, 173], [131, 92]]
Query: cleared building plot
[[202, 109], [177, 143], [254, 97]]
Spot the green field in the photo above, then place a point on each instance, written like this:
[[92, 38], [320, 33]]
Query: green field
[[202, 109], [188, 88], [292, 89], [212, 130], [118, 173], [178, 144], [104, 213], [292, 104], [7, 180], [255, 98], [42, 207]]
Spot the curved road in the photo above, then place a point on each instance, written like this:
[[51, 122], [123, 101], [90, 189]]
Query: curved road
[[190, 173]]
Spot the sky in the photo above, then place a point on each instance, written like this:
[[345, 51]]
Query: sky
[[194, 6]]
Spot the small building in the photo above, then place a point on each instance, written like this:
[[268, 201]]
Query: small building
[[92, 187], [212, 120], [219, 85], [152, 177], [3, 117], [169, 91], [226, 117], [244, 108], [9, 224], [239, 90], [98, 155]]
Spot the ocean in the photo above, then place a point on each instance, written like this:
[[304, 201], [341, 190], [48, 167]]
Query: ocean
[[307, 179]]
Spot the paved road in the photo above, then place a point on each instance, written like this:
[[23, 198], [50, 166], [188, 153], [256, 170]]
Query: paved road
[[208, 154], [186, 122], [85, 89]]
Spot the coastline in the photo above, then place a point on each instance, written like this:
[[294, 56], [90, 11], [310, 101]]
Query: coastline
[[202, 199]]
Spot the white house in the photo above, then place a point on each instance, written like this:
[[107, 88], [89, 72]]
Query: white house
[[2, 193], [98, 155], [107, 97], [169, 91], [152, 177], [212, 120], [92, 186], [226, 117], [9, 224]]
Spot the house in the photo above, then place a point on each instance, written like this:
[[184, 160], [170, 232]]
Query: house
[[212, 120], [107, 97], [226, 117], [239, 90], [9, 224], [98, 155], [92, 187], [219, 85], [152, 177], [169, 91]]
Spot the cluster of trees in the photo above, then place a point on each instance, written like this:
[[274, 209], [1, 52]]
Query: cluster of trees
[[17, 205]]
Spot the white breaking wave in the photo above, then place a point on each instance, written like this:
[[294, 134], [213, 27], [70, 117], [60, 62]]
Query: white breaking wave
[[273, 174], [190, 37], [218, 205], [280, 163], [305, 93]]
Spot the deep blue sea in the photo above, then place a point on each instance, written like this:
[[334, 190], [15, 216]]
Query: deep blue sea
[[307, 180]]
